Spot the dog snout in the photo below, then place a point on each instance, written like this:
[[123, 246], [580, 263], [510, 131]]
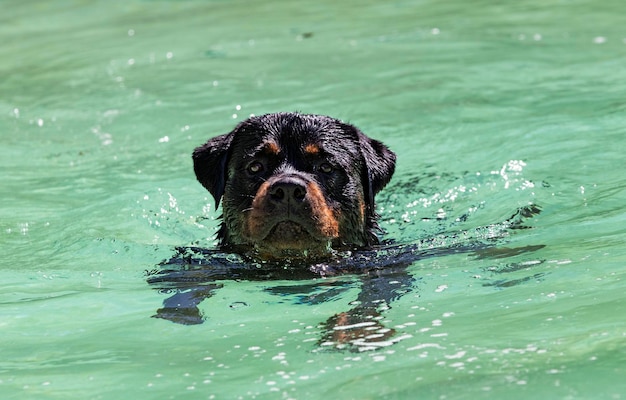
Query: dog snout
[[288, 190]]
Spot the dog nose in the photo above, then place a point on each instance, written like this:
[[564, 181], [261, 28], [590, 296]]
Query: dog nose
[[287, 190]]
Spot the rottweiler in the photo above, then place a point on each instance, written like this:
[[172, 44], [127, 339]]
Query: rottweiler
[[294, 186]]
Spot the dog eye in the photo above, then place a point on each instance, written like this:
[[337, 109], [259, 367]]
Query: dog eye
[[254, 167], [325, 168]]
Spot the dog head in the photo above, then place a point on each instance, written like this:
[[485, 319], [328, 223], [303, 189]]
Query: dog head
[[294, 185]]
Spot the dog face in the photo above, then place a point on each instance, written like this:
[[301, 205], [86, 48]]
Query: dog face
[[294, 185]]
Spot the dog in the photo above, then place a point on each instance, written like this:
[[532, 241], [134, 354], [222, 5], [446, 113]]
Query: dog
[[296, 191], [294, 186]]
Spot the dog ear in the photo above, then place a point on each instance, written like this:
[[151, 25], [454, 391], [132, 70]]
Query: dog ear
[[209, 164], [380, 163]]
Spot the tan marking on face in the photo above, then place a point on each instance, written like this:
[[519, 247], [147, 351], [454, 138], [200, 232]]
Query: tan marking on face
[[271, 148], [254, 221], [326, 218], [312, 149]]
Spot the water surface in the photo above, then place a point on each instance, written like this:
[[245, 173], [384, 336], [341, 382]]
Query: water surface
[[490, 107]]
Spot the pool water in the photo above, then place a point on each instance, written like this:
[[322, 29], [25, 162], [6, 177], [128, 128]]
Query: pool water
[[491, 107]]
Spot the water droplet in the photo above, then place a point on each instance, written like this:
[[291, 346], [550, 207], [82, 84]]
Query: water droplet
[[238, 304]]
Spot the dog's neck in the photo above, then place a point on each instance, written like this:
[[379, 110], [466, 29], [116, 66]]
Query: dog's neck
[[287, 256]]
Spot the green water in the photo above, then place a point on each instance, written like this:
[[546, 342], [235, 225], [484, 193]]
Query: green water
[[490, 106]]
